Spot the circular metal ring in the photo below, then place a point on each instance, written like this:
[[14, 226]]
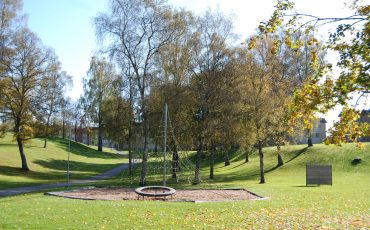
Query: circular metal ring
[[165, 191]]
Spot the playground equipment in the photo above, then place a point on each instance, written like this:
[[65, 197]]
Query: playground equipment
[[155, 191]]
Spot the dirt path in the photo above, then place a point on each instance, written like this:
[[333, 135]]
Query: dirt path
[[22, 190]]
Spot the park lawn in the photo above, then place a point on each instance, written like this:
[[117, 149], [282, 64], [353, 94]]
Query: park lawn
[[291, 204], [49, 165]]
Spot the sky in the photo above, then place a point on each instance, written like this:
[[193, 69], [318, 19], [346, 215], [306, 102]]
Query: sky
[[66, 26]]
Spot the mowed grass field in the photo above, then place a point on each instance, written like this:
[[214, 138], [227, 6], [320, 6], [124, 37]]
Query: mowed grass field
[[291, 205], [49, 165]]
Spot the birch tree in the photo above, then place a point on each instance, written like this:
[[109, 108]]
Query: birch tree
[[50, 95], [211, 50], [136, 30], [97, 87]]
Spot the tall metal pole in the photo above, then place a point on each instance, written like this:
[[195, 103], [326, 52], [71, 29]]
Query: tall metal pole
[[165, 143], [69, 151]]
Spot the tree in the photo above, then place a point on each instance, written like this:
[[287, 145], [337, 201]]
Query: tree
[[223, 126], [116, 113], [171, 86], [66, 114], [97, 88], [265, 103], [24, 69], [10, 21], [77, 112], [320, 92], [296, 57], [131, 92], [243, 132], [137, 30], [50, 96], [293, 52], [211, 56]]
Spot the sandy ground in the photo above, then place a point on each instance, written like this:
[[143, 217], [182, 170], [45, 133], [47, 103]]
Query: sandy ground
[[190, 195]]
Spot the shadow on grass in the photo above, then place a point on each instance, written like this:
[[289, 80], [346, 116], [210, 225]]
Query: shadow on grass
[[82, 150], [235, 166], [75, 165], [241, 155], [8, 145], [269, 170], [155, 169], [79, 170], [251, 174], [278, 166], [13, 143], [305, 186], [298, 154], [15, 184], [156, 178], [15, 171]]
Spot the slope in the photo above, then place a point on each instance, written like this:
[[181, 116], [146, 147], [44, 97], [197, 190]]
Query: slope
[[50, 165]]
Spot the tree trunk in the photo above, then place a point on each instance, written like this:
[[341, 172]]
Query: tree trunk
[[63, 129], [129, 151], [146, 133], [309, 139], [88, 136], [197, 163], [212, 161], [46, 132], [45, 141], [246, 154], [227, 157], [23, 157], [145, 154], [130, 127], [100, 139], [262, 169], [280, 158], [76, 131], [175, 162]]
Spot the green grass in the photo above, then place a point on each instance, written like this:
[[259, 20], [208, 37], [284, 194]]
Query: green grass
[[292, 205], [49, 165]]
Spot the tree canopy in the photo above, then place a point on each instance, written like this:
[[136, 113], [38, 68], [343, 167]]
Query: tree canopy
[[31, 81], [322, 91]]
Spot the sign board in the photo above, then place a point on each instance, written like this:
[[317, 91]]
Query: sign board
[[319, 174]]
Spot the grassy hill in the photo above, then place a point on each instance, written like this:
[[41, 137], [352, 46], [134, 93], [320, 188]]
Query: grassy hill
[[295, 158], [240, 174], [291, 205], [49, 165]]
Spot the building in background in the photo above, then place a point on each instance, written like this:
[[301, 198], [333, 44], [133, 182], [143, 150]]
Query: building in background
[[318, 132], [364, 117]]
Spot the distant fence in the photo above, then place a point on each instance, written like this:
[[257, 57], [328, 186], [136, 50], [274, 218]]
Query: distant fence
[[319, 174]]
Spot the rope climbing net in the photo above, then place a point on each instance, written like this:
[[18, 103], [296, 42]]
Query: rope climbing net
[[172, 164]]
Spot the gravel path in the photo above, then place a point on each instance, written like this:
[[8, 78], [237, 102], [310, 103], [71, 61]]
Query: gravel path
[[185, 195]]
